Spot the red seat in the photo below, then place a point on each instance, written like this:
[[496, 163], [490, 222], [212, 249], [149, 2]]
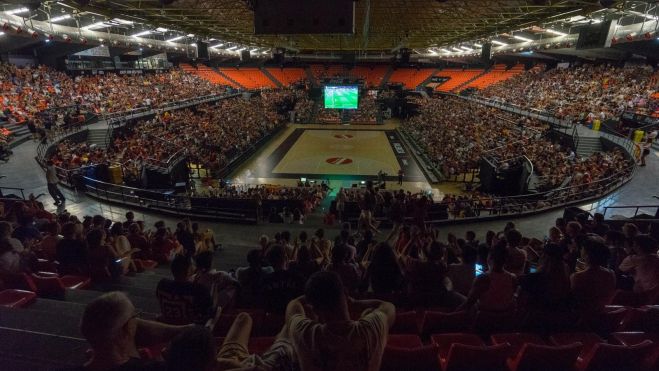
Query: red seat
[[404, 341], [637, 337], [439, 323], [476, 358], [605, 357], [13, 298], [50, 284], [493, 322], [421, 358], [534, 357], [20, 281], [608, 321], [406, 323], [588, 339], [445, 341], [517, 340], [46, 265]]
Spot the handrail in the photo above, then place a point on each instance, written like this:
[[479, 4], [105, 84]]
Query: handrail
[[2, 189], [636, 207]]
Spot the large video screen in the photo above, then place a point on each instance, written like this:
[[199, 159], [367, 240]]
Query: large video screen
[[341, 97]]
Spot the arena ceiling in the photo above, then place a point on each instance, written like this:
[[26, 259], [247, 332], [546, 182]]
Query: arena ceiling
[[380, 25]]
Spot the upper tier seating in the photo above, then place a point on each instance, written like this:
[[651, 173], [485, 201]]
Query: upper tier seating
[[208, 74], [410, 77], [372, 75], [498, 73], [457, 78], [287, 76], [249, 77]]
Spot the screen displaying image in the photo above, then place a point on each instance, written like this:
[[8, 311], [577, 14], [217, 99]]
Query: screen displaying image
[[341, 97]]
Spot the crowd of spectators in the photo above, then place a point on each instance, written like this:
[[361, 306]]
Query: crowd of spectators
[[456, 134], [211, 135], [318, 285], [583, 92]]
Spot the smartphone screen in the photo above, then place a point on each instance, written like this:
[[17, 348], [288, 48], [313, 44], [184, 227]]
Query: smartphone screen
[[478, 269], [533, 269]]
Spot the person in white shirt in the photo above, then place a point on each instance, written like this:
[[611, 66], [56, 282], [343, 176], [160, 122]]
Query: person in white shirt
[[52, 180], [326, 338]]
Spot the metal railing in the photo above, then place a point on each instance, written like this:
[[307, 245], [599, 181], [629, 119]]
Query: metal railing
[[3, 192], [635, 208]]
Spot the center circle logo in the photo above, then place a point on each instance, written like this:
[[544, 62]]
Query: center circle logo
[[343, 136], [339, 161]]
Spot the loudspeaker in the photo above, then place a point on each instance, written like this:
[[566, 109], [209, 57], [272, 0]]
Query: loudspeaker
[[486, 52], [244, 55], [404, 56], [202, 50]]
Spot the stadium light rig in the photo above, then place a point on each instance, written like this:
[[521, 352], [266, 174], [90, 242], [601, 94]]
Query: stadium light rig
[[499, 43], [175, 38], [139, 34], [554, 32], [522, 38], [60, 18], [17, 11]]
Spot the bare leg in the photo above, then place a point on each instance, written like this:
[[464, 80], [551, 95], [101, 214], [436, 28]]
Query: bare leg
[[234, 347]]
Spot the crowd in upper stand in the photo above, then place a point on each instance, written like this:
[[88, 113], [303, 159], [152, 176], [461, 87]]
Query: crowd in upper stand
[[456, 133], [317, 285], [29, 90], [583, 92], [211, 135]]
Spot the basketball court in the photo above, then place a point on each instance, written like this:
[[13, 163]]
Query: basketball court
[[344, 155]]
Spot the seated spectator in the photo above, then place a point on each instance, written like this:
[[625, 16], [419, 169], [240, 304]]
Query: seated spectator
[[251, 277], [282, 285], [48, 245], [104, 264], [26, 232], [11, 250], [138, 241], [516, 262], [121, 245], [333, 341], [493, 291], [463, 273], [181, 300], [341, 264], [71, 253], [303, 265], [384, 274], [220, 284], [426, 277], [110, 325], [644, 266], [164, 246], [594, 287]]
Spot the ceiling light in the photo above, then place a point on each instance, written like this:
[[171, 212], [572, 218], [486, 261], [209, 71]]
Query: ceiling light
[[176, 38], [549, 30], [445, 50], [17, 11], [216, 46], [499, 43], [467, 49], [525, 39], [458, 50], [143, 33], [241, 49], [478, 45], [2, 33], [231, 48], [94, 26], [122, 21], [254, 50], [190, 35], [193, 45], [60, 18], [161, 29], [644, 15]]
